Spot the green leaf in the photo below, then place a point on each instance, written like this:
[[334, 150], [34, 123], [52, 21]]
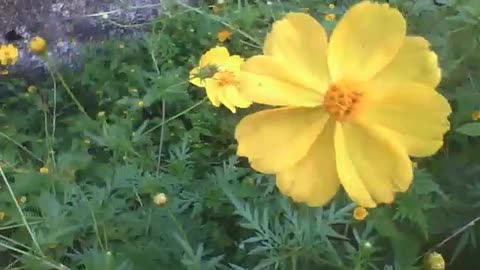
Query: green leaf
[[470, 129]]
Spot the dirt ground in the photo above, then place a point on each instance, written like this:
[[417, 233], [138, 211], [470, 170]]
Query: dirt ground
[[67, 24]]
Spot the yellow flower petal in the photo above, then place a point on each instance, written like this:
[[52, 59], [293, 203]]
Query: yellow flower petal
[[264, 80], [414, 115], [213, 92], [382, 164], [299, 43], [348, 175], [232, 97], [233, 63], [364, 41], [214, 56], [415, 62], [274, 140], [314, 178]]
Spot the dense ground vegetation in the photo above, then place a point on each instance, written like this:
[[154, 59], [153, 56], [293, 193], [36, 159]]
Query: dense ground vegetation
[[126, 165]]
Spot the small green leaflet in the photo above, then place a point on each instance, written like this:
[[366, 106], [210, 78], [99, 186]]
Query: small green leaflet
[[470, 129]]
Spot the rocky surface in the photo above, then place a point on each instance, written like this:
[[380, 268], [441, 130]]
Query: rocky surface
[[68, 24]]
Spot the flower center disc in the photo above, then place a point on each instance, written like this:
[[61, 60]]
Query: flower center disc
[[225, 78], [341, 101]]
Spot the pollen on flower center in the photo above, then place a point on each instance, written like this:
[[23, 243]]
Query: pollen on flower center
[[225, 78], [341, 101]]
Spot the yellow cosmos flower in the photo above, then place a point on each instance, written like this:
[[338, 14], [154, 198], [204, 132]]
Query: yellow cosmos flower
[[223, 35], [38, 45], [8, 54], [331, 6], [218, 72], [352, 118], [360, 213]]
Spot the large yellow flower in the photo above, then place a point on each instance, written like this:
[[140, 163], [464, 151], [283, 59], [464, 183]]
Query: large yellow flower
[[353, 109], [218, 72]]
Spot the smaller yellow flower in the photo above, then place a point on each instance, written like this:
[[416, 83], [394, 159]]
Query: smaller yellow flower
[[218, 73], [2, 215], [32, 89], [43, 170], [330, 17], [38, 45], [160, 199], [4, 72], [223, 35], [360, 213], [476, 115], [331, 6], [140, 104], [87, 141], [434, 261], [8, 54]]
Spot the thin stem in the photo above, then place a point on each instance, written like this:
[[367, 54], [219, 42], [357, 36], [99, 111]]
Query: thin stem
[[22, 215], [54, 113], [162, 130], [177, 115], [218, 19], [72, 96], [178, 225], [160, 146], [453, 235], [103, 13], [14, 242], [3, 228], [294, 262], [46, 262], [20, 146]]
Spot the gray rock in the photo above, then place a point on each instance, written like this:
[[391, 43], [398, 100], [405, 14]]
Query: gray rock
[[67, 25]]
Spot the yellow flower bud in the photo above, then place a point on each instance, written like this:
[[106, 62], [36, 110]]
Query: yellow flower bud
[[43, 170], [476, 115], [330, 17], [160, 199], [223, 35], [38, 45], [434, 261], [140, 104], [32, 89], [360, 213]]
